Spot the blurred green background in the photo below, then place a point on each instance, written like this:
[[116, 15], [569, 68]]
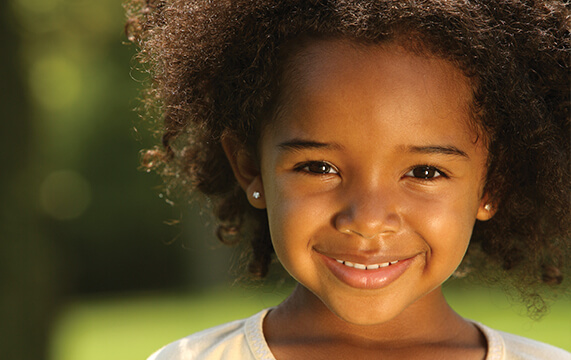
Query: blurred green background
[[91, 266]]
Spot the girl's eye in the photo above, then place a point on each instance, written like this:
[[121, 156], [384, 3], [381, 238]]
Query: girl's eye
[[425, 172], [317, 167]]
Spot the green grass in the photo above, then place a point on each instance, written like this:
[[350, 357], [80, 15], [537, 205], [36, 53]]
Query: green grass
[[492, 308], [132, 327]]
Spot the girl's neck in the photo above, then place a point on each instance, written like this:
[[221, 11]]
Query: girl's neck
[[303, 321]]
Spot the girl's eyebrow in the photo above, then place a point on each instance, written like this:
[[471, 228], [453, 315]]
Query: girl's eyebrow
[[300, 144], [436, 149]]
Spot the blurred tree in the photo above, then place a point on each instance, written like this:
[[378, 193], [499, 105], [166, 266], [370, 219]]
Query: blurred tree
[[28, 273], [88, 196], [76, 215]]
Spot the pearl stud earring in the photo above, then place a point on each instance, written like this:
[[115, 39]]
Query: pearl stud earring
[[256, 195]]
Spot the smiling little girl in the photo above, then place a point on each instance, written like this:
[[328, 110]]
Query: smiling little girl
[[372, 147]]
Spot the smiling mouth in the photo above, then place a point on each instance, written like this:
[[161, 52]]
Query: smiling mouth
[[366, 267]]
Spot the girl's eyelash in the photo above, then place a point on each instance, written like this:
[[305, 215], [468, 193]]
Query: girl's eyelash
[[316, 168], [426, 172], [422, 172]]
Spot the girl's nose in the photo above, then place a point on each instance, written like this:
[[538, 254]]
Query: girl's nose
[[368, 215]]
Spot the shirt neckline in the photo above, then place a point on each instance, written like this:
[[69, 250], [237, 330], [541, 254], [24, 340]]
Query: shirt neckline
[[259, 346]]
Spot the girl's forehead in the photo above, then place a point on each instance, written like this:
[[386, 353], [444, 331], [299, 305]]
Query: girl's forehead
[[323, 70]]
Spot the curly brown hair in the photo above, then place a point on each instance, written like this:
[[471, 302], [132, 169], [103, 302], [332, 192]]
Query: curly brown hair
[[216, 68]]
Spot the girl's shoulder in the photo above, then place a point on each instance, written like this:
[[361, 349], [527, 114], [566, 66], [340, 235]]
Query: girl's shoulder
[[506, 346], [240, 340]]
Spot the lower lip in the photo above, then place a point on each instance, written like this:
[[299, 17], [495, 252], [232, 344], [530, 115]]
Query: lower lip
[[367, 279]]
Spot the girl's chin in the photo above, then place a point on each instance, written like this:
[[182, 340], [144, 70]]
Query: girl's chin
[[354, 310], [380, 309], [365, 315]]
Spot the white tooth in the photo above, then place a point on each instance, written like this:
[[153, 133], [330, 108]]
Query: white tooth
[[339, 261], [394, 262], [384, 264], [372, 267], [350, 264], [360, 266]]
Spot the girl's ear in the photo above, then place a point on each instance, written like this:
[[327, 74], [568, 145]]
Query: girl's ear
[[245, 170], [486, 210]]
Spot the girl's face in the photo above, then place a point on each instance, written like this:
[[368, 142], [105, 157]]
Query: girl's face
[[372, 176]]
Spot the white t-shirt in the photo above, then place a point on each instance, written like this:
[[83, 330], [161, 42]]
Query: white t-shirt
[[244, 340]]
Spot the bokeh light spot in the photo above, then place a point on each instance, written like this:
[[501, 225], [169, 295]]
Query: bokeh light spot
[[55, 82], [65, 195]]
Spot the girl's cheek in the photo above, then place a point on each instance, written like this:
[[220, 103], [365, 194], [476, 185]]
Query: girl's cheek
[[444, 218]]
